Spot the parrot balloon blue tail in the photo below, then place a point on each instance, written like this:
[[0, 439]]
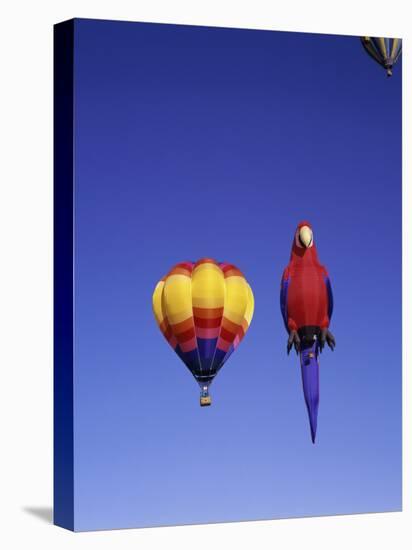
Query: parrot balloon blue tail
[[310, 380]]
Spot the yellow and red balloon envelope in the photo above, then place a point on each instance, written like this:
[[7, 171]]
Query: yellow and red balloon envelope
[[203, 309]]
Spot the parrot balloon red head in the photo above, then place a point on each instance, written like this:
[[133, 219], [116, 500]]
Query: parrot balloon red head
[[303, 246]]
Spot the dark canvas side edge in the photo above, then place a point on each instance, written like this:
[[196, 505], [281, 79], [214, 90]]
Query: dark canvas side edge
[[63, 498]]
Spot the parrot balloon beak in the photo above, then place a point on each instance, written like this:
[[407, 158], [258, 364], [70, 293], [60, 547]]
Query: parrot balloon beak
[[306, 236]]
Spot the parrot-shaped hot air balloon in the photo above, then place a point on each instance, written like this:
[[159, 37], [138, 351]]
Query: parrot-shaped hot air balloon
[[204, 310], [385, 51], [306, 303]]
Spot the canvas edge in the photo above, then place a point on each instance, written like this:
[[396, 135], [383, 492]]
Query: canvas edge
[[63, 432]]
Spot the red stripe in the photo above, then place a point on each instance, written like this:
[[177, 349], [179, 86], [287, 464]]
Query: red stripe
[[227, 335], [179, 270], [207, 313], [229, 325], [232, 272], [185, 336], [207, 333], [223, 345], [183, 326], [206, 261], [190, 345], [208, 323]]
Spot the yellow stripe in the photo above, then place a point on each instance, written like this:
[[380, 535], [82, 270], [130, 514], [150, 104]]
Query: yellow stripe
[[157, 302], [208, 286], [394, 46], [177, 298], [382, 46], [237, 298], [250, 305]]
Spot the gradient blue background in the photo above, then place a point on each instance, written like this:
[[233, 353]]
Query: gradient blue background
[[193, 142]]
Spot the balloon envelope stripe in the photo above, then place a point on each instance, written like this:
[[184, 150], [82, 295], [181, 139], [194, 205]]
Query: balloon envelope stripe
[[227, 335], [207, 332], [189, 345], [211, 322], [185, 336], [209, 313], [183, 326]]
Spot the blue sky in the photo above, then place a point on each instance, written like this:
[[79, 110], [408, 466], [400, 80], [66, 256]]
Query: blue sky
[[193, 142]]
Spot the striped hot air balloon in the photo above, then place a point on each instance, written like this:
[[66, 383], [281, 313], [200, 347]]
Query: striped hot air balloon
[[204, 310], [384, 51]]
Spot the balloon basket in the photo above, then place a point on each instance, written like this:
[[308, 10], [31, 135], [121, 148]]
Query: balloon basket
[[205, 400]]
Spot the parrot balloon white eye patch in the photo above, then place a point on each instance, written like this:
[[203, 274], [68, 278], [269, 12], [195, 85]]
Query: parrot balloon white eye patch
[[299, 243]]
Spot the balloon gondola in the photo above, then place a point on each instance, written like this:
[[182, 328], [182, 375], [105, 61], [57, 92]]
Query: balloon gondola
[[203, 309]]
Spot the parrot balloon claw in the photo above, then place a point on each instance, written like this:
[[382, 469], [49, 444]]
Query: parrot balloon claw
[[203, 310], [306, 303]]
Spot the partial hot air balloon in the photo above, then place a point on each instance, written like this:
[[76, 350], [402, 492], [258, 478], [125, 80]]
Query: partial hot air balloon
[[203, 309], [306, 302], [385, 51]]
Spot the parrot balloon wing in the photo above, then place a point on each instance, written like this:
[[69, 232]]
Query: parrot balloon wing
[[330, 295], [284, 296]]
